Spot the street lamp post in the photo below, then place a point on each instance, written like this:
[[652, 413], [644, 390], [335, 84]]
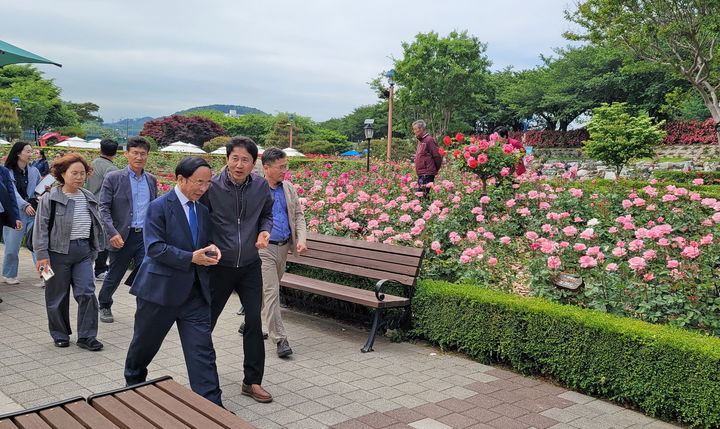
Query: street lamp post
[[391, 78], [290, 124], [369, 130]]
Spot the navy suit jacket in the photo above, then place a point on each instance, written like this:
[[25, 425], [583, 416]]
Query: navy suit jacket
[[7, 197], [167, 273]]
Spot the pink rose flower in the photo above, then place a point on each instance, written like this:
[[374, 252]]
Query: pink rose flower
[[553, 262], [611, 267], [672, 263], [636, 263], [587, 262], [492, 261], [579, 247]]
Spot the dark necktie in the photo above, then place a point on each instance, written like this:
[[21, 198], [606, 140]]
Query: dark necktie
[[192, 218]]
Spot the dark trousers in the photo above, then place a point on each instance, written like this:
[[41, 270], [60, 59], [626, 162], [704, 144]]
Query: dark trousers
[[423, 181], [101, 262], [133, 250], [73, 269], [247, 282], [152, 323]]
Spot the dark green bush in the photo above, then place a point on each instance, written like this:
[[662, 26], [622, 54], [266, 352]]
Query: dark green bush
[[709, 177], [666, 372]]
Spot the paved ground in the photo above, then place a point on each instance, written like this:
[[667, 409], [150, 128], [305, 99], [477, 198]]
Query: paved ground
[[326, 383]]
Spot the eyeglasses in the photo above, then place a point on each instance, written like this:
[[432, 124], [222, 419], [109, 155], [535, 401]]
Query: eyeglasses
[[281, 167], [138, 154], [200, 183]]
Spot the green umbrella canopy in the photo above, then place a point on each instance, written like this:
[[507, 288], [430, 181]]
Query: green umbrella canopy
[[10, 54]]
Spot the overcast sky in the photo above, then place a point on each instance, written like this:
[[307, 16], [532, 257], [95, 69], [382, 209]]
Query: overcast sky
[[314, 58]]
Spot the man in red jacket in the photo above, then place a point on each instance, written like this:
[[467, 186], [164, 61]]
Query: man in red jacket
[[427, 157]]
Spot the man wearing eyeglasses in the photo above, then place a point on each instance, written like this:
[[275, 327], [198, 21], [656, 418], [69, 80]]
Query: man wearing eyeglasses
[[124, 198], [240, 205]]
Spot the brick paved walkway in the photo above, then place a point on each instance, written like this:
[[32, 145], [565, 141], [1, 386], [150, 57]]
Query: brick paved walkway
[[326, 383]]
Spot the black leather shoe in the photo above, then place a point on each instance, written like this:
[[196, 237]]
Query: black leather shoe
[[241, 330], [61, 343], [91, 344]]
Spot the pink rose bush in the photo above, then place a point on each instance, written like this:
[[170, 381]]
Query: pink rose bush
[[647, 252]]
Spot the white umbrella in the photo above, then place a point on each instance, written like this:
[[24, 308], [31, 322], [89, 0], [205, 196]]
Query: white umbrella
[[4, 142], [220, 151], [291, 151], [95, 141], [182, 147]]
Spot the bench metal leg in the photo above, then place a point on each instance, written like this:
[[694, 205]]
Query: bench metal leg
[[373, 331]]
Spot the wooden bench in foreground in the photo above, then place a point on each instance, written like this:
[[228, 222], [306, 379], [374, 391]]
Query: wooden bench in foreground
[[159, 403], [377, 261]]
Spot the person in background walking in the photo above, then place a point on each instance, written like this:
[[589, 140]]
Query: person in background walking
[[124, 199], [427, 157], [502, 132], [41, 163], [101, 166], [27, 178], [9, 213], [67, 235], [240, 207]]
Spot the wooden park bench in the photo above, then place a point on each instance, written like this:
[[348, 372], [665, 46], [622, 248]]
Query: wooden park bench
[[159, 403], [377, 261]]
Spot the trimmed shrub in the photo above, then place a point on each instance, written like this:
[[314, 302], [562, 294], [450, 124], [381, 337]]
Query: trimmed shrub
[[709, 177], [690, 132], [666, 372]]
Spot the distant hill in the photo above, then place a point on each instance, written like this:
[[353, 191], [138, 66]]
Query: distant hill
[[225, 108], [134, 126]]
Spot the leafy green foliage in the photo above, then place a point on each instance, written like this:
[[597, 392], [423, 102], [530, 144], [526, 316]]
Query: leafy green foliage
[[664, 371], [71, 131], [85, 111], [215, 143], [428, 64], [682, 35], [616, 137], [9, 122]]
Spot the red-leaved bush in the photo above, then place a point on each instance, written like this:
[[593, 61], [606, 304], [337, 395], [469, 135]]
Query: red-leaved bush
[[678, 133], [690, 132]]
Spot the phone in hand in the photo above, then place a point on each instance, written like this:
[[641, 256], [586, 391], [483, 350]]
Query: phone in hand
[[46, 273], [211, 253]]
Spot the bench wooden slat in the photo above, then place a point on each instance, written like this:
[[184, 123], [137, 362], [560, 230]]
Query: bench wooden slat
[[338, 256], [58, 418], [349, 269], [89, 416], [149, 411], [120, 414], [395, 258], [346, 293], [7, 424], [202, 405], [173, 406], [361, 244], [31, 421]]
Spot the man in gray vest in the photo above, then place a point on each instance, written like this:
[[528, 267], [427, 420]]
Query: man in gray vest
[[124, 198], [102, 166]]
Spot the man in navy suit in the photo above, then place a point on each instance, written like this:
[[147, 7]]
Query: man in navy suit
[[9, 213], [172, 284]]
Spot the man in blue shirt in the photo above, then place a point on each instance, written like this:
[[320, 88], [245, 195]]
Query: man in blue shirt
[[124, 198]]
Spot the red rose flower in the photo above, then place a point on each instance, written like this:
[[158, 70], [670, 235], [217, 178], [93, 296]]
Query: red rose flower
[[442, 151], [447, 140], [459, 137], [472, 163]]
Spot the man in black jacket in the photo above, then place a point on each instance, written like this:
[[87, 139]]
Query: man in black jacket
[[9, 213], [240, 205]]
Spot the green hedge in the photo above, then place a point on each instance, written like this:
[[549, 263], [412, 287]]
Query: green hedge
[[666, 372], [688, 176]]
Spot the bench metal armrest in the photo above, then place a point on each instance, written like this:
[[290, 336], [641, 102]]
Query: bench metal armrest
[[378, 286]]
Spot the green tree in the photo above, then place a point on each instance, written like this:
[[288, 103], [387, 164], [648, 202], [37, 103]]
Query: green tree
[[617, 137], [96, 130], [682, 35], [9, 124], [215, 143], [40, 104], [71, 131], [439, 77], [85, 111], [351, 125], [254, 125], [302, 127]]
